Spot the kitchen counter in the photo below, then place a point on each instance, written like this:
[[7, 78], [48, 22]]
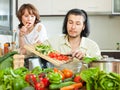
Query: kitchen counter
[[110, 50], [111, 53]]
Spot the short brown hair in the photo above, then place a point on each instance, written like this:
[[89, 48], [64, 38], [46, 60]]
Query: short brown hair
[[31, 9]]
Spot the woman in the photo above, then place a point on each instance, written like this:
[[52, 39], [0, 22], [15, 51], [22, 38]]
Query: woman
[[75, 41], [30, 30]]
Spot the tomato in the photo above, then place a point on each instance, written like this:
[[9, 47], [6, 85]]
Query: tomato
[[68, 73], [44, 79], [58, 56], [31, 78], [41, 75], [77, 79], [52, 54], [65, 58], [39, 86]]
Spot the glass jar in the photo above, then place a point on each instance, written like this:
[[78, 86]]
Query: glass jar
[[0, 50], [6, 48]]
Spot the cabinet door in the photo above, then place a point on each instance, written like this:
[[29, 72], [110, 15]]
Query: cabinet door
[[116, 7], [44, 6], [95, 5], [61, 7]]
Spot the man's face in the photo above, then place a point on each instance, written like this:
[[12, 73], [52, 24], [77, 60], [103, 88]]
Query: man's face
[[75, 25]]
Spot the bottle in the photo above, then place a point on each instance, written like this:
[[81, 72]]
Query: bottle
[[13, 46], [0, 50], [118, 46], [9, 49], [6, 48]]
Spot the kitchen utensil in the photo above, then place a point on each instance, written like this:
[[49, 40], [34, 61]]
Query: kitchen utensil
[[107, 65], [31, 48]]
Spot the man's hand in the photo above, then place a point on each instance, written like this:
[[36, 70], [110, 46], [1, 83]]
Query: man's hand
[[78, 54]]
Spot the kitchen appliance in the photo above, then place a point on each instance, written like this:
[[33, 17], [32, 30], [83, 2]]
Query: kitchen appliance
[[107, 64], [34, 61]]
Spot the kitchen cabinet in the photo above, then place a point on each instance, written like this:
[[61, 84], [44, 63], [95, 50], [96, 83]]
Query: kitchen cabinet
[[101, 6], [44, 6], [61, 7]]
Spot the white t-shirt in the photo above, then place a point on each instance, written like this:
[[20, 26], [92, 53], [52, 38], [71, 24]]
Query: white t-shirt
[[38, 33]]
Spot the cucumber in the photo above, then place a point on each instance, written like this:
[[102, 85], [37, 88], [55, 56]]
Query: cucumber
[[68, 79], [7, 55], [28, 88], [58, 86]]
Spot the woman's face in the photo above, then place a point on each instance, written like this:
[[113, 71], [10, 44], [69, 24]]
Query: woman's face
[[28, 19], [75, 25]]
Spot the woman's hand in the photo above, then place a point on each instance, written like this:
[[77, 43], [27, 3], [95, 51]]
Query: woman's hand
[[23, 30]]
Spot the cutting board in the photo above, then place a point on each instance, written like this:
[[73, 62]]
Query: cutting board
[[31, 48]]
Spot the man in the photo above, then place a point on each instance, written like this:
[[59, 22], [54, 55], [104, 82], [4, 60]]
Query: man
[[75, 41]]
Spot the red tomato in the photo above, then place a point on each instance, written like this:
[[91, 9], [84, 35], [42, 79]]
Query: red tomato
[[52, 55], [44, 79], [59, 57], [39, 86], [65, 58], [77, 79], [31, 78], [68, 73]]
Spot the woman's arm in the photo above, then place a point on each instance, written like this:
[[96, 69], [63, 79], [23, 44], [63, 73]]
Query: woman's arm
[[22, 40], [22, 43]]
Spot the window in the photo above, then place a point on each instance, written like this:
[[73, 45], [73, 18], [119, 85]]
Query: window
[[5, 17]]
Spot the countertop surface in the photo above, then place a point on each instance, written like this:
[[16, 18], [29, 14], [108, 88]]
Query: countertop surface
[[110, 50]]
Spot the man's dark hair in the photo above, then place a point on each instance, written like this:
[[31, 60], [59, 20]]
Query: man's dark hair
[[86, 31]]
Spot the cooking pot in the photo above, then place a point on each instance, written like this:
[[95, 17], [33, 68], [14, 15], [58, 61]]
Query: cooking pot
[[107, 65]]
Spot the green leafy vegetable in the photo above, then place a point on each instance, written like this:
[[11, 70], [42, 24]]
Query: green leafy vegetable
[[44, 49], [89, 59], [100, 80], [8, 62]]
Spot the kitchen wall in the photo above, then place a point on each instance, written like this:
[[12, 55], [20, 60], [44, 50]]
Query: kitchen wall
[[4, 39], [105, 29]]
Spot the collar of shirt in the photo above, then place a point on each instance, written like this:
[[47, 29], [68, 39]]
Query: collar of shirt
[[82, 46]]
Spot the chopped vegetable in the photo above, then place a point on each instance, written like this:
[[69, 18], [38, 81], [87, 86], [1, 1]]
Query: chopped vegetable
[[89, 59], [44, 49]]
